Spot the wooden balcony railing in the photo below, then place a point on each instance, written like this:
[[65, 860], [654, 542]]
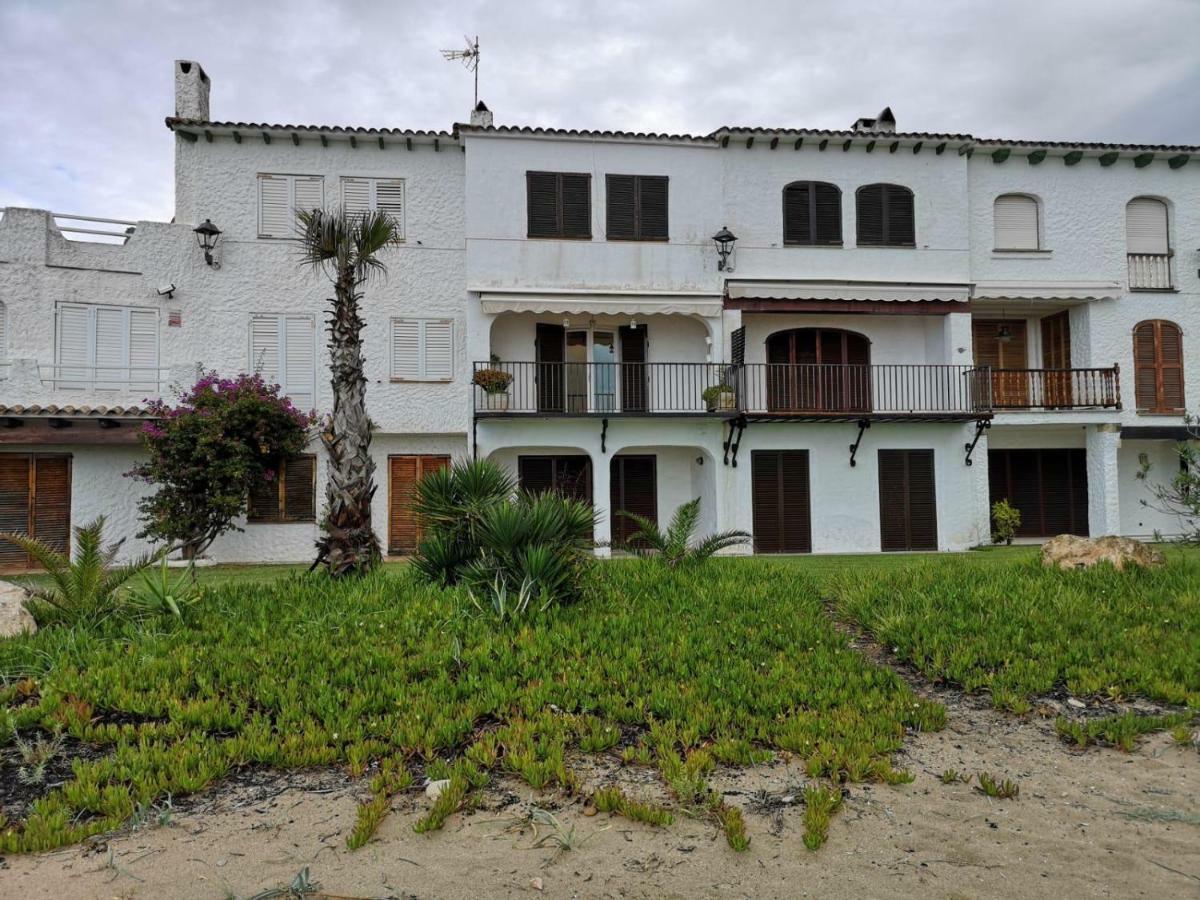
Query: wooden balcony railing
[[1056, 388], [1150, 272]]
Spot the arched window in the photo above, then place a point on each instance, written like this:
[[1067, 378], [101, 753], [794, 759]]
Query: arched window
[[812, 214], [1158, 366], [1148, 244], [1015, 219], [818, 370], [885, 216]]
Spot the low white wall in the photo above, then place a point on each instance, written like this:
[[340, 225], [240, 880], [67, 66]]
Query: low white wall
[[1137, 519]]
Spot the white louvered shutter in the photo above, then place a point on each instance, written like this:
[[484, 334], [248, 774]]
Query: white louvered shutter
[[389, 198], [143, 349], [264, 347], [406, 349], [1016, 222], [274, 206], [308, 194], [71, 351], [1146, 226], [299, 355], [439, 351], [3, 336], [356, 195], [111, 346]]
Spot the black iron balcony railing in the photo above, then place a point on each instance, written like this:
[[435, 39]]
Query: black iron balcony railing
[[1056, 388]]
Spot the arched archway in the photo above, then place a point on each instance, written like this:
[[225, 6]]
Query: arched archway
[[818, 370]]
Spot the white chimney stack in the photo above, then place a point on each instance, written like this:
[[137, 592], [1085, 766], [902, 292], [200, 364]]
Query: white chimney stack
[[481, 116], [884, 123], [191, 91]]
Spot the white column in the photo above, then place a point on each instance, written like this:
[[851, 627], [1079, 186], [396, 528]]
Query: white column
[[983, 494], [1104, 488], [601, 496], [956, 339]]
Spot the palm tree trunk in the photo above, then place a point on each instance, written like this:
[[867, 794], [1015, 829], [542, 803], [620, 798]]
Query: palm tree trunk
[[348, 544]]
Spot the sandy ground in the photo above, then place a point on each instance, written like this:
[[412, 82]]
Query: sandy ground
[[1099, 823]]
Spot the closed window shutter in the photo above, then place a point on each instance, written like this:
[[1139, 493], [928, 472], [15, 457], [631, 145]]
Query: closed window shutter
[[900, 227], [73, 356], [356, 195], [870, 214], [633, 489], [111, 348], [1158, 366], [406, 349], [652, 208], [827, 213], [797, 213], [52, 501], [263, 503], [1146, 226], [907, 500], [361, 195], [812, 213], [576, 206], [1171, 365], [621, 207], [143, 348], [885, 216], [264, 347], [274, 206], [299, 355], [1015, 218], [309, 194], [389, 198], [402, 522], [16, 481], [300, 489], [542, 204], [439, 351], [781, 501]]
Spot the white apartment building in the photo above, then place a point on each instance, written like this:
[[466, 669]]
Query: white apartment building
[[899, 328]]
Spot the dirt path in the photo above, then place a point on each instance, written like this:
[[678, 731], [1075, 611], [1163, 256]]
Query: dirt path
[[1094, 824]]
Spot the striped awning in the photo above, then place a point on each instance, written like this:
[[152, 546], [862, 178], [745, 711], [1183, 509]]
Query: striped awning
[[1078, 291], [600, 303], [870, 291]]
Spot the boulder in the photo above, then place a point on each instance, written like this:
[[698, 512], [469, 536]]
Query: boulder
[[15, 619], [1067, 551]]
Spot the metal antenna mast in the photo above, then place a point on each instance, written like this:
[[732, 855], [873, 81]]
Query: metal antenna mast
[[470, 59]]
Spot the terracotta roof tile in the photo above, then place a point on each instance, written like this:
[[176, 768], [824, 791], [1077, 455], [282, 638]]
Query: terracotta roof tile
[[53, 410]]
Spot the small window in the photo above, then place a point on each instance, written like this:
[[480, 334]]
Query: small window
[[283, 351], [375, 194], [1158, 366], [1146, 227], [290, 495], [1015, 218], [422, 349], [637, 207], [812, 214], [106, 347], [559, 205], [280, 197], [885, 216]]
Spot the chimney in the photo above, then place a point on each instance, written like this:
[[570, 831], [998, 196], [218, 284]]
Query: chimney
[[884, 123], [481, 116], [191, 91]]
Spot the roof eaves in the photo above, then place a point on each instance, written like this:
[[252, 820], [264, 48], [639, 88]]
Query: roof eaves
[[581, 133], [177, 124]]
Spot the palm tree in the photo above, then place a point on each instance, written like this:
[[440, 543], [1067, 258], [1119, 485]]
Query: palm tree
[[346, 247]]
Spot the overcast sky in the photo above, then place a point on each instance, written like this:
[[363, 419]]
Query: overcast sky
[[85, 86]]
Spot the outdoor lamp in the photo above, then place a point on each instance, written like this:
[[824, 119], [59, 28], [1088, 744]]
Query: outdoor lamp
[[207, 235], [724, 240]]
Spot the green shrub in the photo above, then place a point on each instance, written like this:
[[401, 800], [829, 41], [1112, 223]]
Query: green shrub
[[676, 545], [1006, 519]]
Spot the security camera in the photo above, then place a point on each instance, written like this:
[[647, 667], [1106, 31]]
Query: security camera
[[167, 290]]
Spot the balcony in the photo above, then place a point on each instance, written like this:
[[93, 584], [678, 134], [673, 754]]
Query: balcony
[[142, 381], [762, 391], [1150, 272], [1050, 389]]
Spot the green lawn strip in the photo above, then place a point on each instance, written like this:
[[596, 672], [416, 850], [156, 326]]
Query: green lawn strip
[[728, 660], [1022, 630]]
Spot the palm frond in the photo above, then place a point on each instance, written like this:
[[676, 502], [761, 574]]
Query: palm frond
[[337, 241], [647, 534], [714, 543], [56, 563]]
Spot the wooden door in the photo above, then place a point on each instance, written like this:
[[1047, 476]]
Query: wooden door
[[633, 488], [634, 381], [1056, 359], [35, 499], [1009, 360], [1048, 487], [818, 370], [907, 500], [781, 500], [550, 352], [404, 531]]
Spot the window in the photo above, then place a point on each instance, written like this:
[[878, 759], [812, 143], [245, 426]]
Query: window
[[559, 205], [885, 216], [637, 207], [281, 196], [289, 496], [375, 194], [812, 214], [422, 349], [35, 500], [1015, 218], [106, 347], [1158, 366], [1146, 226], [283, 352]]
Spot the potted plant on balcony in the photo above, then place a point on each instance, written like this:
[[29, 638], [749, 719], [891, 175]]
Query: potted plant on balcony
[[495, 384], [719, 397]]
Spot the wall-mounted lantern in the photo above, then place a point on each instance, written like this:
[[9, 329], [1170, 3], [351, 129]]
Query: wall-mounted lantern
[[207, 235], [724, 239]]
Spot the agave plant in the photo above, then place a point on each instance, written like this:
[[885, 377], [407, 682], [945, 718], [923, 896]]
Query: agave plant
[[87, 589], [346, 246], [677, 545]]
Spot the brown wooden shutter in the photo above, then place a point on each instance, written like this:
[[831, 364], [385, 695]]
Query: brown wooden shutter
[[907, 500], [633, 488], [827, 213], [570, 476], [1048, 487], [652, 208], [52, 501], [541, 190], [535, 473], [1158, 366], [1056, 355], [812, 213], [781, 501], [299, 489], [16, 489], [263, 504], [900, 225], [634, 387], [550, 353], [1170, 361], [737, 346], [621, 207], [576, 204], [404, 528], [797, 210], [869, 212]]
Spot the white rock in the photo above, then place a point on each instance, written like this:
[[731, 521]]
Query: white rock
[[434, 789], [15, 619], [1078, 704]]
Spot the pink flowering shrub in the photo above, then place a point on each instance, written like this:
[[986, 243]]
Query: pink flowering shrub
[[206, 451]]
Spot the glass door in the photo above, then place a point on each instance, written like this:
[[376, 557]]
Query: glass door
[[604, 371]]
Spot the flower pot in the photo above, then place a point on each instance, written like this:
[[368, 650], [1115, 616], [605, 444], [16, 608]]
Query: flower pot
[[723, 402], [498, 401]]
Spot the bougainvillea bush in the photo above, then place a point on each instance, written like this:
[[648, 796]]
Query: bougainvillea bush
[[206, 451]]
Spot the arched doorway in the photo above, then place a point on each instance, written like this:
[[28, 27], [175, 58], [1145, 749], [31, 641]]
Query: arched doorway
[[818, 370]]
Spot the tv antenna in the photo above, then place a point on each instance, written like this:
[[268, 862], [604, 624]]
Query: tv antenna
[[470, 59]]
